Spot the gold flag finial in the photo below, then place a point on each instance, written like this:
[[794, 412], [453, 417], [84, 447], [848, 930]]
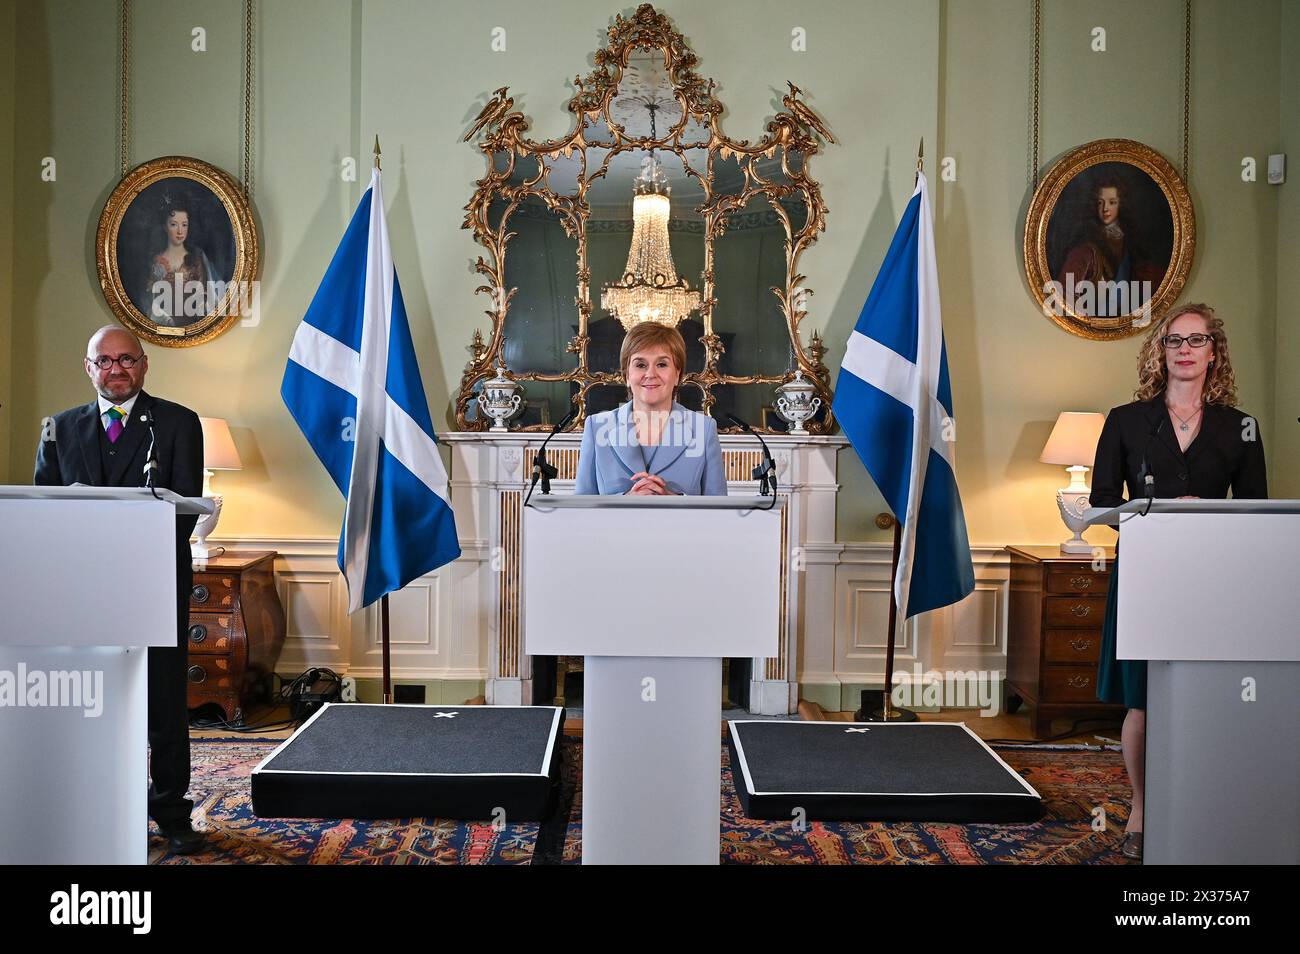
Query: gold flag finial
[[920, 159], [377, 151]]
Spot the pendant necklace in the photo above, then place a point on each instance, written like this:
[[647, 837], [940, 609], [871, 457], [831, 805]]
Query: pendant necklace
[[1185, 422]]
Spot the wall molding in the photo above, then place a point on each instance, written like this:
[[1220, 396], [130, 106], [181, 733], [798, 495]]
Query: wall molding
[[435, 640]]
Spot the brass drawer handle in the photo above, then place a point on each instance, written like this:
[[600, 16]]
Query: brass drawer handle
[[198, 633], [1081, 582], [201, 593], [1081, 645], [1080, 610], [1078, 682], [196, 674]]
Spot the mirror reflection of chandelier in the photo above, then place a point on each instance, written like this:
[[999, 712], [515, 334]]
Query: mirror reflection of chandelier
[[650, 289]]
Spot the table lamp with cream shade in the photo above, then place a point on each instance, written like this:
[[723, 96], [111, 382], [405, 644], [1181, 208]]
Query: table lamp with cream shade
[[1074, 444], [219, 453]]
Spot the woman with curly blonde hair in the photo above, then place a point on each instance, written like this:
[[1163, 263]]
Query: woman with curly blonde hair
[[1183, 437]]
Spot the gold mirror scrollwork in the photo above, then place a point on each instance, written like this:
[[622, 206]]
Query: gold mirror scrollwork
[[557, 177]]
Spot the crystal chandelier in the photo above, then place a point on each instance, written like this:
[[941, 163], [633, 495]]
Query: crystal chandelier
[[650, 289]]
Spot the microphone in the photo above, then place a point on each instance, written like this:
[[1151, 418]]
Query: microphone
[[150, 460], [1148, 479], [765, 473], [541, 469]]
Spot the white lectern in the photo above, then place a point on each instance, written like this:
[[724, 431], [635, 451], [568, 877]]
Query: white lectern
[[90, 581], [1209, 594], [654, 592]]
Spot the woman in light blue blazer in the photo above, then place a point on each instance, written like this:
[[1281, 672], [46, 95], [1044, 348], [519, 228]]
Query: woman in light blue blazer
[[651, 444]]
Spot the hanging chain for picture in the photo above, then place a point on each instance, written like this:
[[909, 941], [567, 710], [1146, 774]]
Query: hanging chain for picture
[[1187, 80], [124, 128], [1038, 32], [123, 143], [1187, 83], [246, 173]]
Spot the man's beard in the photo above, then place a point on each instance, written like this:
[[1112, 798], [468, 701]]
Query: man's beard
[[106, 392]]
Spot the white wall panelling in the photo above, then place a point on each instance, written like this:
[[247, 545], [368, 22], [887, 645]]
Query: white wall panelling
[[450, 624]]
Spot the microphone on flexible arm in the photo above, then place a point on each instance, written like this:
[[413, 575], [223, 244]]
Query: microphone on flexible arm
[[765, 473], [1148, 479], [150, 461], [541, 469]]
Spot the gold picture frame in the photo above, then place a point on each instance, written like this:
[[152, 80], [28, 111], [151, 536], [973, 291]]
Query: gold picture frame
[[792, 138], [177, 251], [1109, 240]]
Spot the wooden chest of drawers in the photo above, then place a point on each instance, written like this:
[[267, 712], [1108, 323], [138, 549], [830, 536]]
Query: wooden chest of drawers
[[1058, 602], [236, 630]]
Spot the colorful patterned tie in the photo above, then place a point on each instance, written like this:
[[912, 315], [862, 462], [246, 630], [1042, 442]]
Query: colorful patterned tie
[[115, 427]]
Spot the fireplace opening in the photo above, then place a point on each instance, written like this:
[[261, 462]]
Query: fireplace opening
[[557, 681]]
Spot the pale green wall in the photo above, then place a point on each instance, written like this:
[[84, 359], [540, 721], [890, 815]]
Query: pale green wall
[[1285, 446], [333, 73], [8, 12], [189, 103], [1013, 370]]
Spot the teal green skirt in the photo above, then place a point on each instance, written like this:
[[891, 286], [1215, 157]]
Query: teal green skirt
[[1119, 681]]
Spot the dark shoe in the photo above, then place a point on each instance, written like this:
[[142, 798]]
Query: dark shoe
[[1132, 847], [185, 841]]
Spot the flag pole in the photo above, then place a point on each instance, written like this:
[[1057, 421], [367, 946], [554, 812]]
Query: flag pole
[[383, 603], [383, 630], [887, 713]]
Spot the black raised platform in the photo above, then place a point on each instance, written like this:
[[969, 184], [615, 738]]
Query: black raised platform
[[873, 771], [356, 760]]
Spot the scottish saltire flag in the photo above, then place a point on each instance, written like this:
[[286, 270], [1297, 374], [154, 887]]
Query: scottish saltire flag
[[894, 401], [353, 386]]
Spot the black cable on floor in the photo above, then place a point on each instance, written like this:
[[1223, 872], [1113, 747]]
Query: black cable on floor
[[285, 695], [1073, 730], [224, 726], [266, 727]]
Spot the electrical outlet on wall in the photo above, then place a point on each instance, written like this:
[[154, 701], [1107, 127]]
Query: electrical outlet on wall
[[1277, 168], [348, 691]]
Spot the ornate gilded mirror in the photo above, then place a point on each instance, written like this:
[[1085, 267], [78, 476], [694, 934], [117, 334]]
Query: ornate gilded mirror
[[644, 211]]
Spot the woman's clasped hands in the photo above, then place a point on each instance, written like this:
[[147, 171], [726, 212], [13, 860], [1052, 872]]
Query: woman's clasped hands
[[644, 483]]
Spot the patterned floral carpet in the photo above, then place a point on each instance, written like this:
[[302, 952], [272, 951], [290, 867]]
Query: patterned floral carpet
[[223, 807], [1073, 784]]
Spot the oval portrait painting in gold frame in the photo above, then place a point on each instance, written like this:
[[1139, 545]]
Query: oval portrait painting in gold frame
[[177, 252], [1109, 239]]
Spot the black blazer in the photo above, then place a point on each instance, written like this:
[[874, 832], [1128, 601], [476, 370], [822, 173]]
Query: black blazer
[[1227, 454], [73, 455]]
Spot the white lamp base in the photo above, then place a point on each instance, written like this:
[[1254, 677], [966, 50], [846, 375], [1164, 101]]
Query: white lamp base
[[1076, 544], [1073, 501], [199, 549]]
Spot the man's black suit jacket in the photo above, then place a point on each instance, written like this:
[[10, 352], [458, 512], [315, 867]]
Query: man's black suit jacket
[[73, 456]]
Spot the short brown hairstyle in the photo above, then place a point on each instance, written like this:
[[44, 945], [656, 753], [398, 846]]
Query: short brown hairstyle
[[649, 334]]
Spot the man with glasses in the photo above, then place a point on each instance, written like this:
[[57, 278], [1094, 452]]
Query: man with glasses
[[105, 444]]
